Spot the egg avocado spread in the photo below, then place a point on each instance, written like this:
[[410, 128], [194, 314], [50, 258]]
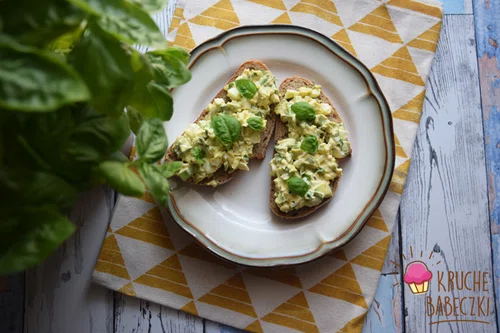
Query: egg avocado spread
[[305, 162], [226, 135]]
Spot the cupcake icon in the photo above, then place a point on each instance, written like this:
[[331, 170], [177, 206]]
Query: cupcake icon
[[417, 277]]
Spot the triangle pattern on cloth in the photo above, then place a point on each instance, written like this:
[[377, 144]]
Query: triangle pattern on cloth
[[412, 110], [417, 6], [342, 284], [400, 66], [374, 256], [194, 250], [266, 13], [254, 327], [184, 37], [148, 228], [352, 11], [343, 39], [322, 9], [231, 295], [376, 221], [128, 289], [399, 149], [276, 4], [399, 177], [190, 308], [283, 275], [110, 259], [176, 20], [168, 276], [354, 325], [293, 313], [379, 24], [339, 254], [282, 19], [221, 16], [427, 40]]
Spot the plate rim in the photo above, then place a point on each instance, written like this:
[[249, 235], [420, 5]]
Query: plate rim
[[359, 222]]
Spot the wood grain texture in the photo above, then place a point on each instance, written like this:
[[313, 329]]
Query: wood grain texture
[[11, 303], [59, 295], [487, 23], [385, 314], [139, 316], [445, 205]]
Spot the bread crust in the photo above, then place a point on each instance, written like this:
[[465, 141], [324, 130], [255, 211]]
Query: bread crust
[[281, 132], [259, 150]]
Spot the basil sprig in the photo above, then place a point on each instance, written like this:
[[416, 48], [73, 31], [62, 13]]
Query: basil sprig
[[227, 129]]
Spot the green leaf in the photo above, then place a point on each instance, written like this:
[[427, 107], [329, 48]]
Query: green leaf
[[179, 53], [135, 119], [65, 43], [35, 81], [246, 88], [310, 144], [121, 178], [169, 67], [199, 154], [227, 129], [162, 100], [151, 141], [118, 156], [255, 123], [170, 169], [155, 181], [29, 236], [105, 65], [26, 188], [297, 186], [151, 5], [39, 22], [303, 111], [95, 137], [124, 20]]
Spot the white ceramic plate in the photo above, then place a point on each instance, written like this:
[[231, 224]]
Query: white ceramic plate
[[234, 220]]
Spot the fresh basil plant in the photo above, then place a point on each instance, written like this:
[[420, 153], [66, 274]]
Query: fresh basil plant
[[72, 88]]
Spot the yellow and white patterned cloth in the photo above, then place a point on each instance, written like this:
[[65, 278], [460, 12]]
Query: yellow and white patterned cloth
[[145, 254]]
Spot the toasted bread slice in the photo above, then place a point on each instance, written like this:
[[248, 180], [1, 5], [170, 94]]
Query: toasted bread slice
[[259, 150], [281, 132]]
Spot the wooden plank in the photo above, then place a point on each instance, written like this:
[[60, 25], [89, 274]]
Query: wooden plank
[[11, 303], [59, 295], [445, 205], [386, 312], [487, 14], [139, 316]]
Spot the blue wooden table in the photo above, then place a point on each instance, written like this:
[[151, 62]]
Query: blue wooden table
[[450, 211]]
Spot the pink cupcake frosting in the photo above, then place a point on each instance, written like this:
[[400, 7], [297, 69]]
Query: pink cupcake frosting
[[417, 272]]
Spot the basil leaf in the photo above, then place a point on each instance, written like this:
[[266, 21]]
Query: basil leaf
[[162, 100], [246, 88], [118, 156], [170, 169], [39, 22], [35, 188], [106, 69], [95, 137], [255, 123], [135, 119], [124, 20], [297, 186], [35, 81], [29, 236], [121, 178], [179, 53], [304, 111], [155, 181], [152, 140], [151, 5], [310, 144], [199, 154], [169, 67], [227, 129]]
